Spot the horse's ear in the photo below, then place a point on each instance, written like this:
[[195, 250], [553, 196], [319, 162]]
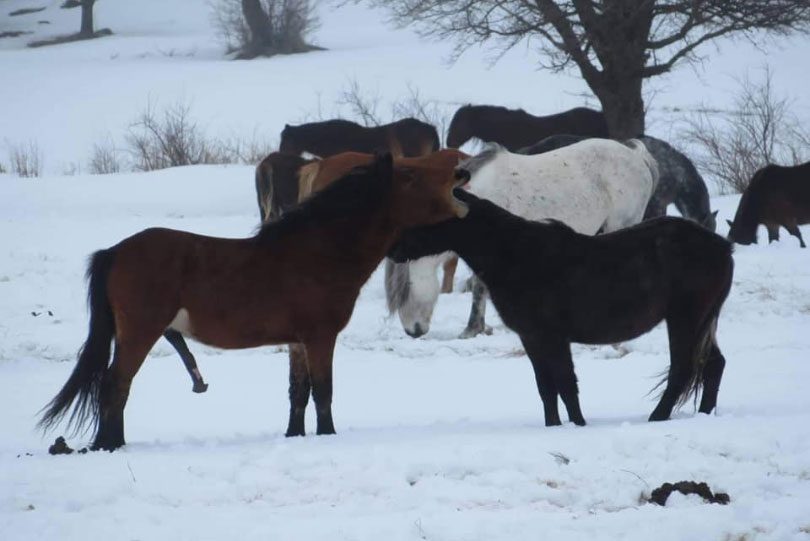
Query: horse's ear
[[714, 214], [730, 223]]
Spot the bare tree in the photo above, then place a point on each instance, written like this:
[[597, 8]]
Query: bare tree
[[615, 44], [759, 130], [254, 28]]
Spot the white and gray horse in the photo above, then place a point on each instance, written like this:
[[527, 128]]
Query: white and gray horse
[[595, 186]]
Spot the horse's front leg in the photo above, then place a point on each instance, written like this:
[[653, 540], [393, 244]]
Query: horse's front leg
[[319, 357], [476, 324], [299, 389], [557, 354], [449, 269], [544, 379]]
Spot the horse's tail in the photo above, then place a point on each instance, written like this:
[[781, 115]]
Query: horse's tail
[[264, 189], [649, 160], [83, 388], [707, 330]]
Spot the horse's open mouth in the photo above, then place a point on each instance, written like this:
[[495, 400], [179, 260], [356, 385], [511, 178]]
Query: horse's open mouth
[[460, 207], [462, 178]]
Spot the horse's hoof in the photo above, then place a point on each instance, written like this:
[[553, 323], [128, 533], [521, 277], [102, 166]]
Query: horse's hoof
[[472, 332], [654, 417], [199, 387], [579, 422], [294, 433]]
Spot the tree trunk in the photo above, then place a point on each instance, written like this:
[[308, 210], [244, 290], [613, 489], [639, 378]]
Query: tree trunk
[[258, 22], [623, 107], [87, 18]]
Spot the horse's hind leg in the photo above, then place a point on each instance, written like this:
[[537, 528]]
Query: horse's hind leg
[[773, 232], [449, 268], [682, 337], [299, 389], [712, 374], [127, 360], [476, 324], [793, 228], [319, 357], [179, 343]]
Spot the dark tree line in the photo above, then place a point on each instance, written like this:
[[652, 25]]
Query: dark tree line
[[615, 44]]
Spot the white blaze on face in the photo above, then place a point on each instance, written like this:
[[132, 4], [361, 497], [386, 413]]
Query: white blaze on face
[[182, 323], [424, 289]]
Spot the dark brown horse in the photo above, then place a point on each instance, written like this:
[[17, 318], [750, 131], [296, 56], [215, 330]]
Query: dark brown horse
[[515, 128], [776, 197], [277, 184], [554, 286], [295, 281], [408, 137]]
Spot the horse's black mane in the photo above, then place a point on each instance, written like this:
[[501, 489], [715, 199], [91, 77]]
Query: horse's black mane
[[357, 192]]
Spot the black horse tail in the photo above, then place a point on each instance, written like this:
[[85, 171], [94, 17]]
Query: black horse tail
[[706, 332], [83, 388]]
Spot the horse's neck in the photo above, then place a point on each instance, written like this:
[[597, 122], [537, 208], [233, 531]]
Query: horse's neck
[[364, 239]]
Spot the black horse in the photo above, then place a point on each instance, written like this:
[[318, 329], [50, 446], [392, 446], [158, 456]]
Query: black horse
[[406, 138], [777, 197], [678, 182], [554, 286], [515, 128]]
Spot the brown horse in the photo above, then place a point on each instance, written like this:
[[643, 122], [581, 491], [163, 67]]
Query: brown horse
[[277, 184], [408, 137], [315, 175], [515, 128], [777, 196], [295, 281]]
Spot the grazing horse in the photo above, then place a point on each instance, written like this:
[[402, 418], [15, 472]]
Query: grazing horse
[[515, 128], [408, 137], [553, 286], [277, 184], [594, 186], [242, 293], [418, 277], [776, 196], [678, 182]]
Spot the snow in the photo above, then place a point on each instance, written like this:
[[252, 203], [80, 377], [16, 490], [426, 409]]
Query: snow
[[438, 438]]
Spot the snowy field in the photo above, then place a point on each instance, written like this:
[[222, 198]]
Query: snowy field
[[438, 438]]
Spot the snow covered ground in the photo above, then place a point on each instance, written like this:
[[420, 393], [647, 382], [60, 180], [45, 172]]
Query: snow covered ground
[[438, 438]]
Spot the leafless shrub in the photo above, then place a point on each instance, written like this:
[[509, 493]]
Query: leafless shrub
[[169, 138], [364, 107], [25, 159], [105, 158], [71, 169], [760, 129], [264, 27], [248, 151], [2, 169], [416, 106]]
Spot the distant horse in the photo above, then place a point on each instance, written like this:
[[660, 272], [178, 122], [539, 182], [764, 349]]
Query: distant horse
[[594, 186], [776, 196], [553, 286], [404, 283], [679, 181], [515, 128], [408, 137], [277, 184], [295, 281]]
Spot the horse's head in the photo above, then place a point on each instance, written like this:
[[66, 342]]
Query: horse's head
[[289, 143], [459, 131], [422, 194], [741, 234], [710, 221]]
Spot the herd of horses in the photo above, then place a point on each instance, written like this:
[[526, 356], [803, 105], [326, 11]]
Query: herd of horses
[[563, 227]]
